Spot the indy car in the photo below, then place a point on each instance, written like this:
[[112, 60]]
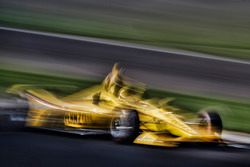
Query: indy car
[[117, 107]]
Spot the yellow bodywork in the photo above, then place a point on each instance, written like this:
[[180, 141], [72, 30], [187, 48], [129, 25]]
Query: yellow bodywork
[[94, 108]]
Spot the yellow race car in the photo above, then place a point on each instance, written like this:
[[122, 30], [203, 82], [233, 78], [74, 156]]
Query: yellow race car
[[116, 107]]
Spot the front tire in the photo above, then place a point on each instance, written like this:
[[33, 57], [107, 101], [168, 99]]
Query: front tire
[[125, 127], [211, 120]]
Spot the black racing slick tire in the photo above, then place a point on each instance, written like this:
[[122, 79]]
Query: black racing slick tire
[[125, 128], [211, 120]]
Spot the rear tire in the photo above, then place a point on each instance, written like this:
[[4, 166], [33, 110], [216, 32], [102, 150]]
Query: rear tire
[[125, 128], [212, 121]]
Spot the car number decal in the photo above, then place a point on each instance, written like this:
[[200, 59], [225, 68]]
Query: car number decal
[[77, 118]]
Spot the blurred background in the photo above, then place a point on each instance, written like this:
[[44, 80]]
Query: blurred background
[[217, 27], [196, 51]]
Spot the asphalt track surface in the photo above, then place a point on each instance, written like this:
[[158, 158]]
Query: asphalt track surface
[[42, 148], [172, 71]]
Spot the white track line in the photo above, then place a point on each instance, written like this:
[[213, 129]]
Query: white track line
[[128, 45]]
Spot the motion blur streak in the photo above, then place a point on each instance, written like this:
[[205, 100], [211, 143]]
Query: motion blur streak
[[211, 26], [200, 25], [75, 44], [48, 149], [157, 69]]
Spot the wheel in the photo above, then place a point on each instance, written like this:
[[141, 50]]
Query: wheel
[[125, 128], [211, 120]]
